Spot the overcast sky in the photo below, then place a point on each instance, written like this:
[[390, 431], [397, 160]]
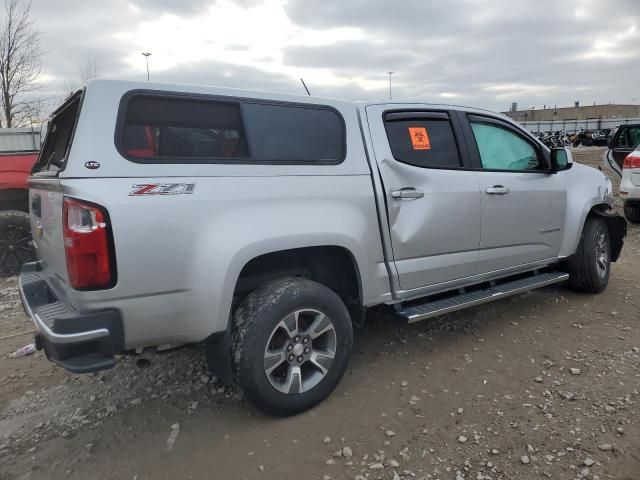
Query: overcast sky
[[485, 53]]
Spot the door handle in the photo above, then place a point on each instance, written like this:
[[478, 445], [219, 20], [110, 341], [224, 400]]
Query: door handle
[[497, 190], [407, 194]]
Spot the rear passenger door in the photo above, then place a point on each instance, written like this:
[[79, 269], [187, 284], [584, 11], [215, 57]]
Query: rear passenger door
[[523, 205], [432, 200]]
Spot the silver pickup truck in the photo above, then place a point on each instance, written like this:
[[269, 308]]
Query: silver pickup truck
[[265, 225]]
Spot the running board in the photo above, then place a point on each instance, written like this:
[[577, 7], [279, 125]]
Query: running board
[[426, 310]]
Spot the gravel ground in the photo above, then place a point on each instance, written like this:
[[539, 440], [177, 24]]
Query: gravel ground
[[542, 385]]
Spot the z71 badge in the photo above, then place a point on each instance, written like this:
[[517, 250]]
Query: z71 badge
[[162, 189]]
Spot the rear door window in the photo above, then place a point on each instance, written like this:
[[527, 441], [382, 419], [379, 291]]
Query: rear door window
[[422, 139], [161, 128]]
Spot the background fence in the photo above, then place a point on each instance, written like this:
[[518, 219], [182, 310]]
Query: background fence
[[19, 139], [571, 126]]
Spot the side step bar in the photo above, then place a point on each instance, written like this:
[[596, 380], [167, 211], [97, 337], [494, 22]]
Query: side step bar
[[415, 313]]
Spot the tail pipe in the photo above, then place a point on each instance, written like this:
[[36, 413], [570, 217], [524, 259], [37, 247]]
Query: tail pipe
[[144, 359]]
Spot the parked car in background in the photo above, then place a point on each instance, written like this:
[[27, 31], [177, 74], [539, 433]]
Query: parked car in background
[[583, 137], [622, 158], [630, 186], [16, 246], [625, 141], [602, 138], [265, 225]]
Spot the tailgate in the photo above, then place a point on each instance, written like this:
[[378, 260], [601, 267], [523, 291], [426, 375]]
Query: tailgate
[[45, 201]]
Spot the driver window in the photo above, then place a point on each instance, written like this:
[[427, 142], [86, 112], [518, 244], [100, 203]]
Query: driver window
[[502, 149]]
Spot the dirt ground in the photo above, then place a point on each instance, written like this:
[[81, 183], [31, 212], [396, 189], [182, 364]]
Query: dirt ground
[[541, 385]]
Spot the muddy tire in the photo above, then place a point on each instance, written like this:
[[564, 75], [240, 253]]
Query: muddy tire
[[590, 267], [632, 211], [291, 343], [16, 246]]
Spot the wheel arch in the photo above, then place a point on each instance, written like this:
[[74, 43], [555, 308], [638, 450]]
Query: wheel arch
[[334, 266], [322, 263], [616, 225]]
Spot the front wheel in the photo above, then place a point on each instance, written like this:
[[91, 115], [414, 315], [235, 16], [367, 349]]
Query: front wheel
[[632, 211], [590, 267], [291, 343]]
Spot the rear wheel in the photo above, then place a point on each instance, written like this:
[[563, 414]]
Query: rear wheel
[[291, 344], [590, 267], [16, 245], [632, 211]]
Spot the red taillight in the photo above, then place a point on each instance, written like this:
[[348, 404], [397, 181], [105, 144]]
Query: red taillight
[[631, 161], [86, 245]]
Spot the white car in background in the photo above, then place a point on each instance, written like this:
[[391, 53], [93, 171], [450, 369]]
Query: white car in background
[[630, 186], [623, 157]]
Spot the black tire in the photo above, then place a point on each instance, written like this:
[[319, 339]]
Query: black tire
[[590, 267], [255, 322], [632, 211], [16, 246]]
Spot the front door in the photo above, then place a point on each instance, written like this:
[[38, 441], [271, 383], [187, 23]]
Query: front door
[[523, 206], [432, 200]]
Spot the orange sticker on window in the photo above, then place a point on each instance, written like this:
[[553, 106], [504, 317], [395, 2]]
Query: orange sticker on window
[[419, 138]]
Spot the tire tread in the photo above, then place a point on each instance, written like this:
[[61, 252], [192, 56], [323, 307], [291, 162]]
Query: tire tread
[[14, 216], [246, 334], [582, 277]]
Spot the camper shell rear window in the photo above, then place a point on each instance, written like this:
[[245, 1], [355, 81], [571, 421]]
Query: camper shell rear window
[[59, 136], [159, 127]]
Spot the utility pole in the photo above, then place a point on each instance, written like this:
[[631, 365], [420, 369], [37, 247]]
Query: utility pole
[[146, 56], [390, 73]]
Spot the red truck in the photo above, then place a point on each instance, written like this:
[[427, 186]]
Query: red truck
[[16, 246]]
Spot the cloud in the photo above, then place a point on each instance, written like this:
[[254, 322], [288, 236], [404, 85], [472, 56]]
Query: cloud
[[354, 57], [485, 53], [211, 72]]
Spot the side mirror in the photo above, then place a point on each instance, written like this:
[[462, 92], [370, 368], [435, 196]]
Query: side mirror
[[561, 159]]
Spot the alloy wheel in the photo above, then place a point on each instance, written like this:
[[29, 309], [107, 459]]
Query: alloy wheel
[[300, 351], [602, 253]]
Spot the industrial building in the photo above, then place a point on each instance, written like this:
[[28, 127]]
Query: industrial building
[[577, 112], [573, 118]]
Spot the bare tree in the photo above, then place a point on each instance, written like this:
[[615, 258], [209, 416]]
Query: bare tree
[[89, 70], [86, 71], [20, 63]]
